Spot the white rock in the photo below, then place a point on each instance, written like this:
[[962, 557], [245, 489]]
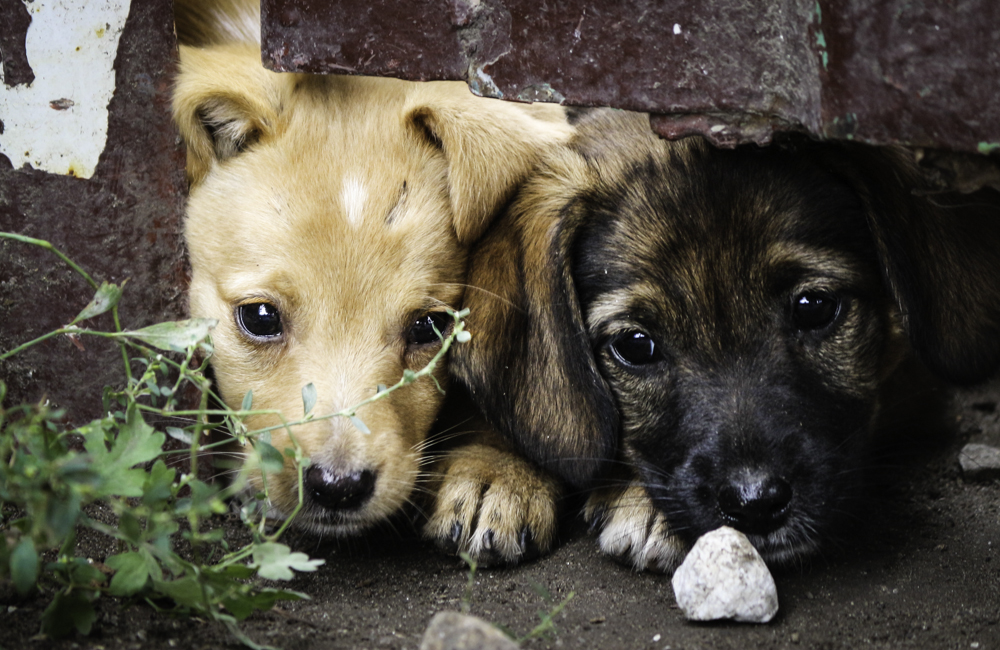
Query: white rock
[[454, 631], [979, 462], [723, 577]]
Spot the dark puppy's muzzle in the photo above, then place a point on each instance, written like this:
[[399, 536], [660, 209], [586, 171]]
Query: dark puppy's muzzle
[[755, 502]]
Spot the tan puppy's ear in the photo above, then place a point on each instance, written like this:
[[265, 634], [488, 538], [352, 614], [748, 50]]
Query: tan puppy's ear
[[224, 102], [201, 23], [941, 257], [490, 145], [529, 364]]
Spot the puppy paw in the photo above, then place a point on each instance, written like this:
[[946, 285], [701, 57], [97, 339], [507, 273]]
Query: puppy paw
[[494, 506], [632, 530]]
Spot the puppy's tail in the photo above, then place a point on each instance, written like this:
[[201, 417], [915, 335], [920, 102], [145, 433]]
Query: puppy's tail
[[217, 22]]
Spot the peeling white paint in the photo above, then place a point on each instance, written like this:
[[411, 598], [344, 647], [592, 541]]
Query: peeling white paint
[[482, 84], [59, 123]]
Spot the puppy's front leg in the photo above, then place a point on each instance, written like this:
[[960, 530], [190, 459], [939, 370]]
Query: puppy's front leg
[[630, 528], [491, 503]]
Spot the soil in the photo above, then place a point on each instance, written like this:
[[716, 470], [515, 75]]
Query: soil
[[922, 570]]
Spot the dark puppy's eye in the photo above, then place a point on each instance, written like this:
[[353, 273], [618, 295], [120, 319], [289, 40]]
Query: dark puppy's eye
[[814, 310], [259, 319], [422, 329], [634, 348]]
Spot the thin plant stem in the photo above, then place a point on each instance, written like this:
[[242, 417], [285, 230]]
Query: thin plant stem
[[409, 378], [49, 247], [27, 345], [86, 276], [121, 344]]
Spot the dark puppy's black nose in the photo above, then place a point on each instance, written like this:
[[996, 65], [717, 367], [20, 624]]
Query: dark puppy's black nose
[[339, 491], [754, 504]]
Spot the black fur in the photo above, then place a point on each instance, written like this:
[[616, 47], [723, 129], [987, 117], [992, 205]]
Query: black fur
[[739, 398], [747, 415]]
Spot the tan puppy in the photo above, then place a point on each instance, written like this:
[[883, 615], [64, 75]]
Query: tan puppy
[[328, 227]]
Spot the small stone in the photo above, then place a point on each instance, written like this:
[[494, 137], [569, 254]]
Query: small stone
[[454, 631], [723, 577], [979, 462]]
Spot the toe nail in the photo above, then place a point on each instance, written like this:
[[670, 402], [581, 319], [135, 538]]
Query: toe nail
[[529, 547], [597, 520]]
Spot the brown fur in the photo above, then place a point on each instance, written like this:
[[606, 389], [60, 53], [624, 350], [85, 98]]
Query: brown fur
[[744, 413], [348, 204]]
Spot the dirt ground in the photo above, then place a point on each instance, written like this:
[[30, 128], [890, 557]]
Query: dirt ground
[[922, 570]]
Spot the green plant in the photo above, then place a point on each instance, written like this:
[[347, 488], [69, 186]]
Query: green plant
[[47, 483], [470, 582], [547, 626]]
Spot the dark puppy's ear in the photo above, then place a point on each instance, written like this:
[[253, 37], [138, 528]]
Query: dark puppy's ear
[[490, 146], [529, 364], [941, 256]]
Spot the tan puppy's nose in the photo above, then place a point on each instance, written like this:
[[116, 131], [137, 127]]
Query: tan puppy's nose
[[339, 490]]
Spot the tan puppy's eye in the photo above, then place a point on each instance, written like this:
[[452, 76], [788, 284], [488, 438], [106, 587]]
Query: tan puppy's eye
[[815, 310], [429, 328], [259, 319]]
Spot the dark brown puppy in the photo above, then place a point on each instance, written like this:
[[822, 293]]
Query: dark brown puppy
[[721, 324]]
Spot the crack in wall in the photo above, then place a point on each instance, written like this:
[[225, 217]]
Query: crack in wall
[[483, 30]]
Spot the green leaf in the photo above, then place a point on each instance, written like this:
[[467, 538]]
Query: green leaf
[[237, 571], [130, 527], [276, 561], [265, 598], [106, 298], [152, 564], [137, 442], [207, 497], [239, 605], [185, 591], [131, 573], [69, 611], [409, 376], [24, 565], [61, 515], [179, 434], [361, 426], [463, 336], [83, 573], [248, 401], [243, 605], [308, 398], [159, 483], [176, 336], [271, 460]]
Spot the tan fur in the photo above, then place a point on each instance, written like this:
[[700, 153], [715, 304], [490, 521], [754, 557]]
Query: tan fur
[[349, 204]]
